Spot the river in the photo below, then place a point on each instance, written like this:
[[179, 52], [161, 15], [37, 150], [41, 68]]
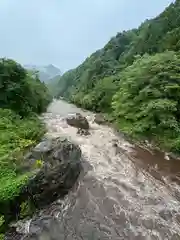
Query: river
[[123, 193]]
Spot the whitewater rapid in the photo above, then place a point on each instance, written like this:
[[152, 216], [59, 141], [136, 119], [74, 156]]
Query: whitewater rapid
[[115, 196]]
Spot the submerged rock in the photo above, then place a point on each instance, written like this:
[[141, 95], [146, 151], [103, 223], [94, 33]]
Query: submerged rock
[[83, 132], [78, 121]]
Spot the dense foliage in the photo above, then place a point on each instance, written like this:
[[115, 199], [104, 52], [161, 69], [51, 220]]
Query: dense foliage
[[135, 79], [22, 96], [16, 135], [20, 91], [148, 99]]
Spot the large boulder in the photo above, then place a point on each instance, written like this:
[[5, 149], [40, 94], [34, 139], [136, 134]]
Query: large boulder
[[78, 121], [61, 165], [99, 119], [55, 165]]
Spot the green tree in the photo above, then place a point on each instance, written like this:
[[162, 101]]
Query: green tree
[[153, 36], [21, 91], [149, 96], [137, 62], [22, 97]]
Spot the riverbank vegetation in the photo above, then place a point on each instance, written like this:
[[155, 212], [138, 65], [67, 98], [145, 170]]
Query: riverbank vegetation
[[22, 97], [135, 79]]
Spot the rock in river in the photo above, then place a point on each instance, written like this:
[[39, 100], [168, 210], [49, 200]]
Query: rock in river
[[78, 121], [60, 169], [99, 119]]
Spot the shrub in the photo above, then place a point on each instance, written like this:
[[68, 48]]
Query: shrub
[[148, 99]]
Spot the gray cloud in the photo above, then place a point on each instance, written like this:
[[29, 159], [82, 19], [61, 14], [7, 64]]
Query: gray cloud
[[65, 32]]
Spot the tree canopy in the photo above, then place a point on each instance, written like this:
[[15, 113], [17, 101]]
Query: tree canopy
[[134, 78], [20, 91], [148, 98]]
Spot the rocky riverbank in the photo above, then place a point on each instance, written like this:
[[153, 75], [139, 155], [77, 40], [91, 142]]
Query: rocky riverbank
[[59, 165], [123, 192]]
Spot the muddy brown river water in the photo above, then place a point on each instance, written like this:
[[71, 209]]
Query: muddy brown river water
[[123, 193]]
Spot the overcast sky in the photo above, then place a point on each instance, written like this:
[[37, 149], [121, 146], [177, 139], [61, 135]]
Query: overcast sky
[[65, 32]]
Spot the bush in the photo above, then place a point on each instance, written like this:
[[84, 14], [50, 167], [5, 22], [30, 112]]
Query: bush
[[20, 90], [26, 209], [1, 223], [148, 99], [17, 135], [22, 96]]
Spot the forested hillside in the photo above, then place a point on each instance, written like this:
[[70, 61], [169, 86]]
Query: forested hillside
[[21, 98], [135, 78]]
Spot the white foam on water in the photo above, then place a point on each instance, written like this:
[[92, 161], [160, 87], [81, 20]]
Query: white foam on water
[[128, 201]]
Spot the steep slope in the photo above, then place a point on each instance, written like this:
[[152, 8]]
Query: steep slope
[[153, 36], [135, 79]]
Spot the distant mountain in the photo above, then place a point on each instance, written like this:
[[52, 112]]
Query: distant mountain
[[46, 73], [52, 85]]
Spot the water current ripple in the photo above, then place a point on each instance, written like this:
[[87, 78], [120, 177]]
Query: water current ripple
[[117, 196]]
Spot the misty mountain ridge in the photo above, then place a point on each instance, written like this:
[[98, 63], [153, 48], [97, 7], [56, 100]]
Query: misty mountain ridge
[[46, 73]]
